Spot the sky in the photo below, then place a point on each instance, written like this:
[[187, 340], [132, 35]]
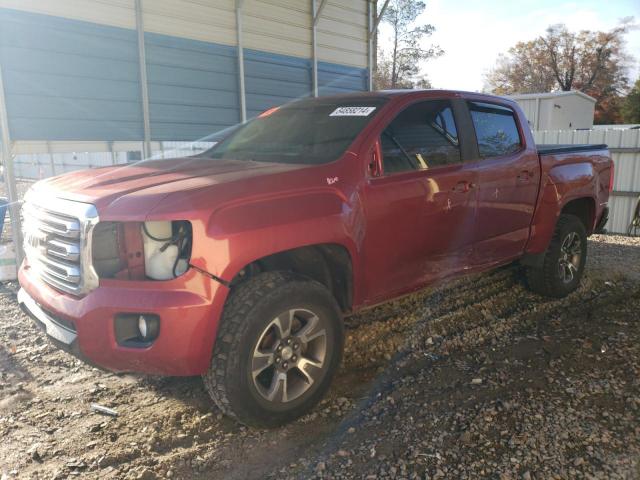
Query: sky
[[474, 33]]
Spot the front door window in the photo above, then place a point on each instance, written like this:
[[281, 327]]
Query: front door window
[[421, 137]]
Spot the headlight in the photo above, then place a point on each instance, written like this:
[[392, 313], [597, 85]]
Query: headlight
[[135, 250]]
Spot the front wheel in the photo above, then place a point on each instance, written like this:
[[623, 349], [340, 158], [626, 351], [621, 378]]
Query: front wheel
[[278, 346], [564, 260]]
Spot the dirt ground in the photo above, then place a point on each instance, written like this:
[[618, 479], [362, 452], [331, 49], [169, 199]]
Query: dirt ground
[[475, 378]]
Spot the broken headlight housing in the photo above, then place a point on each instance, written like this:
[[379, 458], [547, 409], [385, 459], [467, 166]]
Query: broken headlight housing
[[158, 250], [167, 248]]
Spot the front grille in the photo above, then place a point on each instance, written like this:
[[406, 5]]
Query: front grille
[[57, 242]]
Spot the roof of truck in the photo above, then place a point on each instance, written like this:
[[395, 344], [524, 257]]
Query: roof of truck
[[405, 92]]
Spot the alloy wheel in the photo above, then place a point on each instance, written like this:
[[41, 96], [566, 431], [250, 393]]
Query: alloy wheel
[[289, 356], [570, 257]]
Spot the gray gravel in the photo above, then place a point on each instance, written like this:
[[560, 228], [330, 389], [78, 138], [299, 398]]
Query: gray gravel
[[615, 255], [476, 378]]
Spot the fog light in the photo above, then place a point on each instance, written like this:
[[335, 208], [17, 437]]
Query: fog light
[[136, 329], [142, 326], [148, 326]]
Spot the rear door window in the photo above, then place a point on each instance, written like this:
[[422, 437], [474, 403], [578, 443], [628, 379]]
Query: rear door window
[[496, 129], [422, 136]]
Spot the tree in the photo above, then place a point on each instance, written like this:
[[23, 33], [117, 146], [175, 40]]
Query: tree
[[631, 105], [523, 70], [593, 62], [399, 67], [422, 82]]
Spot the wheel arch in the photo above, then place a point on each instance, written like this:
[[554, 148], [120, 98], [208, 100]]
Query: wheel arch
[[584, 208], [548, 213], [327, 263]]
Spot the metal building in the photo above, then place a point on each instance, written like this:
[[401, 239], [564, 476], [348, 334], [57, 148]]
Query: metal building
[[72, 69], [109, 78], [557, 110]]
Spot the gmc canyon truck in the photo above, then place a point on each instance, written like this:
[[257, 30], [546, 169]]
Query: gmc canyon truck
[[240, 263]]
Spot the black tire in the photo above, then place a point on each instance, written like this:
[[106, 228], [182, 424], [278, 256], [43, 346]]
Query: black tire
[[547, 279], [250, 309]]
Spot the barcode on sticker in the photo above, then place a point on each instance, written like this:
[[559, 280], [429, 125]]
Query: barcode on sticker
[[352, 111]]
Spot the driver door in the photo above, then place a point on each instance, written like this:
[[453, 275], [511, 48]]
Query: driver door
[[420, 210]]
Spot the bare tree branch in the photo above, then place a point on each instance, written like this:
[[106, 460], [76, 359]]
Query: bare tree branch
[[400, 68]]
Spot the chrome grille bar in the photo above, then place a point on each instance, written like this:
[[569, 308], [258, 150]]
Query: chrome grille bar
[[57, 224], [58, 242], [70, 229], [66, 251], [67, 272]]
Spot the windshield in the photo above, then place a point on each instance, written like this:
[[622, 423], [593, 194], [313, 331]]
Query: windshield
[[311, 131]]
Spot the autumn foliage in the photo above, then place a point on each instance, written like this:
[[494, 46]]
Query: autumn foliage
[[595, 63]]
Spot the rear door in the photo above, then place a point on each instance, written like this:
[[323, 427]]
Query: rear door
[[420, 210], [508, 175]]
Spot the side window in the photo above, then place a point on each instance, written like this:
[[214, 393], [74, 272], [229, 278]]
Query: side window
[[421, 137], [496, 129]]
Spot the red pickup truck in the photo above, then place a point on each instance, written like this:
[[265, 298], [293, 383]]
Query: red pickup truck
[[240, 263]]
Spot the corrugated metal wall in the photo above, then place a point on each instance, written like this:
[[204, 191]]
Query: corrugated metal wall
[[274, 79], [116, 13], [72, 73], [193, 87], [278, 26], [211, 21], [342, 33], [69, 80], [625, 146]]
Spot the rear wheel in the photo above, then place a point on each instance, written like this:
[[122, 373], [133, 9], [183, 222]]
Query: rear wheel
[[564, 260], [278, 347]]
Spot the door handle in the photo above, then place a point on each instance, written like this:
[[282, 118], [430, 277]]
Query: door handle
[[463, 187]]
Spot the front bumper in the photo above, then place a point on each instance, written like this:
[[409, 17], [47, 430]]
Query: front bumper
[[63, 332], [189, 308]]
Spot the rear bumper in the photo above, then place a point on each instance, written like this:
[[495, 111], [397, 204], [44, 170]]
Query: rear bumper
[[189, 308]]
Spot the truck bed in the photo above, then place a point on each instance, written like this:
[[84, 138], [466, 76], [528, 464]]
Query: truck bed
[[548, 149]]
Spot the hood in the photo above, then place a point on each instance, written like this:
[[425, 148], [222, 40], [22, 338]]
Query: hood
[[134, 189]]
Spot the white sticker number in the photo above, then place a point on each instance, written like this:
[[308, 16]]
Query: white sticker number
[[352, 112]]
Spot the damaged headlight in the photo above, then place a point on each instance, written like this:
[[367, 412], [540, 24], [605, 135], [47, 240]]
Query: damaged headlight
[[158, 250], [167, 248]]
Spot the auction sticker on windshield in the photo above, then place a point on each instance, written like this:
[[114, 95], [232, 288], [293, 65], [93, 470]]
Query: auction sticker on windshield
[[352, 112]]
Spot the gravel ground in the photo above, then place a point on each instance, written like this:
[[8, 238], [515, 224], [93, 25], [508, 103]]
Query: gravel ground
[[475, 378]]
